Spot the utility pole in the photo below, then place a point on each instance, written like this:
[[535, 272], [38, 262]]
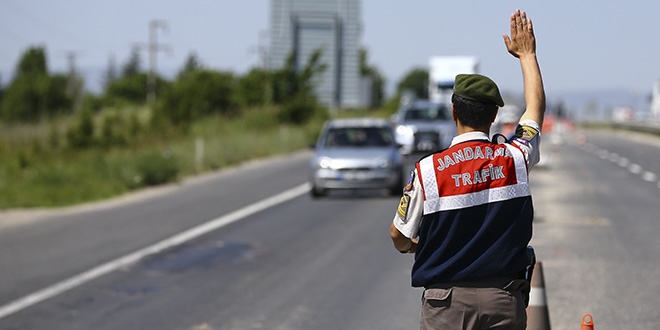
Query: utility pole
[[264, 62], [74, 83], [153, 47]]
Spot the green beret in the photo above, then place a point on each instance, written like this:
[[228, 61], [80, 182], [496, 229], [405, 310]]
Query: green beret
[[478, 87]]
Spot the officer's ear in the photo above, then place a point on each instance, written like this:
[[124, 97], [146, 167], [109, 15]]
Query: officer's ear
[[453, 113], [492, 120]]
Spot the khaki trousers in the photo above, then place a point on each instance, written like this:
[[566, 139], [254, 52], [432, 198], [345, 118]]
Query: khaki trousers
[[475, 305]]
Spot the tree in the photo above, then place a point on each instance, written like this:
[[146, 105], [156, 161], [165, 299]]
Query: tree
[[254, 88], [415, 81], [33, 61], [192, 64], [110, 73], [294, 89], [290, 81], [133, 66], [131, 86], [196, 94], [34, 93], [377, 79], [131, 89]]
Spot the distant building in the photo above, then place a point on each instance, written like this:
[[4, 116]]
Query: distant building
[[303, 26]]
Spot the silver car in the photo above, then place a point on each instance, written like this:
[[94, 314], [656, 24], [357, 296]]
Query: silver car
[[422, 126], [354, 154]]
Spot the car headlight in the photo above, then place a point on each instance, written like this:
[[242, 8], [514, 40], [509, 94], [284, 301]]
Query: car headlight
[[325, 162], [404, 131]]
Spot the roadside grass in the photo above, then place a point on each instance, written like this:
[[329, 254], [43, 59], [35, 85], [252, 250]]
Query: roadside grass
[[37, 169]]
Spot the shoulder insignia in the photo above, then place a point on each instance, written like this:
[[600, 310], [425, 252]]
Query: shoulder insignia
[[528, 133], [409, 185], [402, 210]]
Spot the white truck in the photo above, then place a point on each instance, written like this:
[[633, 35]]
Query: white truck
[[443, 70]]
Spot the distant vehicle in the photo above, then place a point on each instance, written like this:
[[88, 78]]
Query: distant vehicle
[[358, 153], [443, 70], [422, 126]]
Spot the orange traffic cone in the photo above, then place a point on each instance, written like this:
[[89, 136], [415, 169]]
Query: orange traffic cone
[[537, 311], [587, 322]]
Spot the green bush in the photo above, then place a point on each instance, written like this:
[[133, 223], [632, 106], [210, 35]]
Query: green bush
[[81, 135], [261, 119], [196, 94], [154, 168], [132, 89], [254, 88], [298, 110], [111, 131]]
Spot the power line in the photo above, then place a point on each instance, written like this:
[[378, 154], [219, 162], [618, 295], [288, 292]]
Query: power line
[[50, 28]]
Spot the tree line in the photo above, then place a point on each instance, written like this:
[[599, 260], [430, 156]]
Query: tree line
[[35, 94]]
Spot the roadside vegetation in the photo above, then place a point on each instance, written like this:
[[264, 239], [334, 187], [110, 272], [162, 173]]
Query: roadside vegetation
[[60, 145]]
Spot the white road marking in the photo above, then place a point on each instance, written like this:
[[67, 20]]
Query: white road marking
[[177, 239], [614, 157], [635, 169], [623, 162], [649, 176]]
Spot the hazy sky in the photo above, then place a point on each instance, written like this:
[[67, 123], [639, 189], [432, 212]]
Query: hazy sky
[[582, 45]]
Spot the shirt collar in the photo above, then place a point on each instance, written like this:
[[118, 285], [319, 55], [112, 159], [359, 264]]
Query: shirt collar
[[469, 136]]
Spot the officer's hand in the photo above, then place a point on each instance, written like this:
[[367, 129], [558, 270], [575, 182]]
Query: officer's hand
[[522, 41]]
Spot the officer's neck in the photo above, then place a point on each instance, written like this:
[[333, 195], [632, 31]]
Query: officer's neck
[[467, 129]]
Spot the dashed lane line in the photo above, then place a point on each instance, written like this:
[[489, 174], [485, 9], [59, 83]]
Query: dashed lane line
[[649, 176], [635, 168], [621, 161]]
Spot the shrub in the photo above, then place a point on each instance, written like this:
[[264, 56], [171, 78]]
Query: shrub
[[82, 134], [299, 109], [154, 168], [196, 94]]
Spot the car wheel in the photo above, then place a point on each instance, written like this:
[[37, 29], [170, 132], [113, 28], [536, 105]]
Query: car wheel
[[317, 192], [397, 189]]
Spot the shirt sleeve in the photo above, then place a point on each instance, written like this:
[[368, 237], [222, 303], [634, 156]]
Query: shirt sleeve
[[528, 138], [408, 216]]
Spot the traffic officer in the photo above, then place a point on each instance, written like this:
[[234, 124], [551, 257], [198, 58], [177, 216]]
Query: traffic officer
[[467, 211]]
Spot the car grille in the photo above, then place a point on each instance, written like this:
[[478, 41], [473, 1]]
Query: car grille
[[427, 141]]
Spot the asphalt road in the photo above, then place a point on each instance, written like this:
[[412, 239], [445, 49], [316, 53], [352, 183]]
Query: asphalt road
[[597, 212], [329, 263]]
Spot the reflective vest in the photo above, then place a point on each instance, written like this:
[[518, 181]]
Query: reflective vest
[[478, 213]]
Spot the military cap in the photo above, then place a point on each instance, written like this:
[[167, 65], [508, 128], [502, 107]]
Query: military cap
[[478, 87]]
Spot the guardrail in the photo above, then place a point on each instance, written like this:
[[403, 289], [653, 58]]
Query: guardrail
[[652, 127], [647, 127]]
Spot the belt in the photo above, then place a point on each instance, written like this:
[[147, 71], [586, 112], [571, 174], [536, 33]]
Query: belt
[[488, 282]]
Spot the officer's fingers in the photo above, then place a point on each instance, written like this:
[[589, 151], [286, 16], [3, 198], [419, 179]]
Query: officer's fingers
[[507, 40], [523, 19], [513, 23], [518, 16]]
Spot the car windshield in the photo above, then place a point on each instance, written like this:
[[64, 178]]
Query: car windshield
[[426, 113], [358, 137]]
